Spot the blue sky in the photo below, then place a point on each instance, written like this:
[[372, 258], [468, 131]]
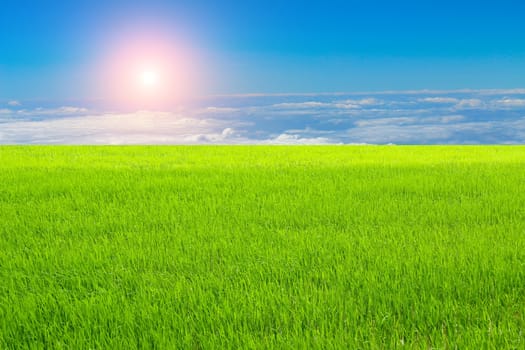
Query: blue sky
[[272, 46], [324, 52]]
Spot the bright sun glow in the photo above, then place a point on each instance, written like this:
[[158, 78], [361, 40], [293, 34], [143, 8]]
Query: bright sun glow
[[149, 78], [150, 71]]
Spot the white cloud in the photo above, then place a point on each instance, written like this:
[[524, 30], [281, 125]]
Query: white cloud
[[450, 118], [14, 103], [69, 110], [346, 105], [310, 131], [343, 104], [485, 92], [500, 92], [469, 103], [410, 120], [408, 117], [228, 132], [293, 139], [226, 136], [54, 111], [51, 112], [386, 121], [382, 134], [439, 100], [366, 102], [138, 127], [221, 110], [308, 104], [511, 102], [492, 131]]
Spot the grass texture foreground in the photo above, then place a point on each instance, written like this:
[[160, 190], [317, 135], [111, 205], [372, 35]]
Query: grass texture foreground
[[262, 247]]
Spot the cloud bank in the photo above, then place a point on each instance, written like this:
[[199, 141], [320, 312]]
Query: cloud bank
[[409, 117]]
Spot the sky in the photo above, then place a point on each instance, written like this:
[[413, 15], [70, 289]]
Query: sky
[[262, 71]]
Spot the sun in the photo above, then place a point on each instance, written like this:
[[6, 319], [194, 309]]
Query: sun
[[148, 68], [149, 78]]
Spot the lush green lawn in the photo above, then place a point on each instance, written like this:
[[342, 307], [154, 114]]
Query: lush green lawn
[[262, 247]]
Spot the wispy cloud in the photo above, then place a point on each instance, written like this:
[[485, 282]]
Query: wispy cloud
[[220, 110], [438, 100], [414, 117], [363, 102], [469, 103], [308, 104], [409, 121], [511, 102], [60, 111], [294, 139]]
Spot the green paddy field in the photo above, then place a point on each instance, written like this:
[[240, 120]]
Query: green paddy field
[[326, 247]]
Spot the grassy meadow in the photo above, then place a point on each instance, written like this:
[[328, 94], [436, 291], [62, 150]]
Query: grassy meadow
[[325, 247]]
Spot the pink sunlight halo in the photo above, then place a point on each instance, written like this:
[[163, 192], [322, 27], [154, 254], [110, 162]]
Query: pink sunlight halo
[[151, 72]]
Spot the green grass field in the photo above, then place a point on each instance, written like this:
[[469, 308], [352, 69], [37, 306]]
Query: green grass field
[[262, 247]]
